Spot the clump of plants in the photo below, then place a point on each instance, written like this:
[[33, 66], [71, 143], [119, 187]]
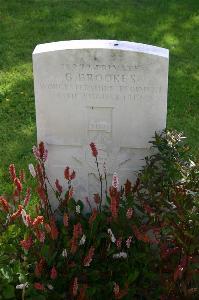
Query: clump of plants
[[139, 241], [169, 191]]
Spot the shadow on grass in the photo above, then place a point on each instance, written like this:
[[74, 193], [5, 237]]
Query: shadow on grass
[[17, 127]]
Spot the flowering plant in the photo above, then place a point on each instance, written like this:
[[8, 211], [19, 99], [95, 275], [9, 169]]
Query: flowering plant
[[113, 251], [169, 193]]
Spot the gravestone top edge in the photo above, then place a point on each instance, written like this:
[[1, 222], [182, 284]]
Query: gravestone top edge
[[101, 44]]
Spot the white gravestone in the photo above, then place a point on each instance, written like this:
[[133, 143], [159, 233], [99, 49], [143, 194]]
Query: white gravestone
[[112, 93]]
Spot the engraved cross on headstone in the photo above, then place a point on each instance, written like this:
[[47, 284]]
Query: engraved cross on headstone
[[112, 93]]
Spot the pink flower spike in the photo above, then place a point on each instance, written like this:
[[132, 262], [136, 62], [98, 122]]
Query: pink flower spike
[[65, 219], [53, 273], [16, 214], [36, 152], [40, 235], [119, 243], [45, 155], [77, 230], [67, 173], [12, 172], [116, 289], [28, 220], [58, 186], [129, 213], [27, 197], [39, 286], [88, 259], [27, 243], [40, 152], [94, 149], [128, 242], [75, 286], [115, 181], [22, 176], [39, 267], [72, 175], [5, 204], [18, 184], [38, 220], [114, 207]]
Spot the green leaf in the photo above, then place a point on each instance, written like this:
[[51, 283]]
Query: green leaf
[[45, 251], [71, 205], [8, 292], [133, 276]]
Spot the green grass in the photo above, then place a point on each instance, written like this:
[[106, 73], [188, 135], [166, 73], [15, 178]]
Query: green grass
[[173, 24]]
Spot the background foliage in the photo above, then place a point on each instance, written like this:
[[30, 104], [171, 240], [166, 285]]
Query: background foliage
[[140, 242]]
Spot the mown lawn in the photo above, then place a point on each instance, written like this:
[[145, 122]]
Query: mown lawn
[[173, 24]]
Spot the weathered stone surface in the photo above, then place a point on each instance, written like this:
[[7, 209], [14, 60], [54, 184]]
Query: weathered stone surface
[[111, 93]]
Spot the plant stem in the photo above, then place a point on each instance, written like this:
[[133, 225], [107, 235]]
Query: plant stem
[[23, 293], [46, 178], [100, 178], [105, 176]]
